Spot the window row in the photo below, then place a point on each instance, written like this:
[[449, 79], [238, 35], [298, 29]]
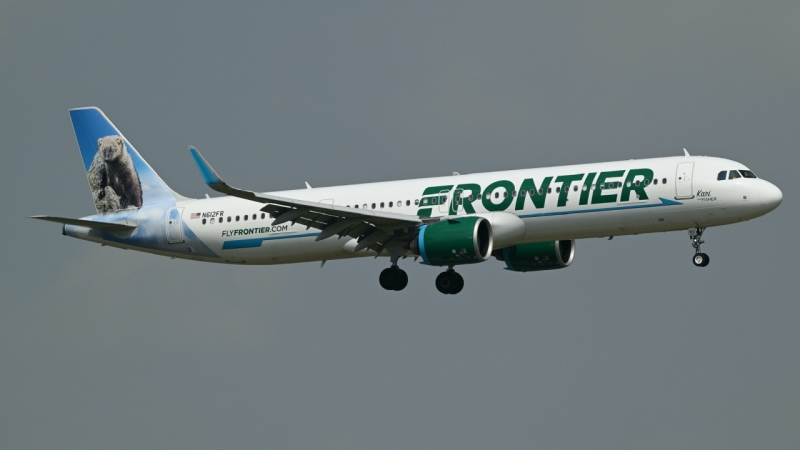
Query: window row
[[734, 174], [383, 204], [497, 194], [234, 218]]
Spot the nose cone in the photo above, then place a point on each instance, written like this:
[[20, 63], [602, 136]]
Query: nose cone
[[771, 196]]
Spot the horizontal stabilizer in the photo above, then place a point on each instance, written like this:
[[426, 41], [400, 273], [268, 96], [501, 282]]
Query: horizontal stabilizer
[[105, 226]]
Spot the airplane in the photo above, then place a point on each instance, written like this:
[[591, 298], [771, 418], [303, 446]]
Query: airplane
[[528, 219]]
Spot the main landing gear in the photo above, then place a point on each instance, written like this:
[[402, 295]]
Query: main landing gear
[[699, 259], [449, 282], [393, 278]]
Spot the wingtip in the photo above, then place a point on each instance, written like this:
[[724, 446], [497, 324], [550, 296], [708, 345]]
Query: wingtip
[[206, 171]]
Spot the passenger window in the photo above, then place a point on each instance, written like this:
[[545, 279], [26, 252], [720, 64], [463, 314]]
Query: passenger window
[[541, 191], [655, 181], [373, 206], [733, 175], [496, 195], [381, 205], [245, 217], [212, 221], [416, 201], [585, 188], [549, 190], [558, 189], [663, 181], [204, 221], [505, 194], [237, 218], [523, 193], [575, 189], [365, 206], [647, 182], [408, 202], [262, 216], [747, 174], [722, 175], [442, 199], [636, 182], [391, 204], [229, 218], [514, 194]]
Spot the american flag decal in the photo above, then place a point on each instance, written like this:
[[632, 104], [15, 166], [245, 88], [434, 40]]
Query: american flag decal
[[195, 216]]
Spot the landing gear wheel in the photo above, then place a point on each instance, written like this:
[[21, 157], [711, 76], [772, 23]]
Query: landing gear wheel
[[449, 282], [393, 279], [701, 260], [403, 280]]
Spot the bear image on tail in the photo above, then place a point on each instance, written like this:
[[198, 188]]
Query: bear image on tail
[[113, 178]]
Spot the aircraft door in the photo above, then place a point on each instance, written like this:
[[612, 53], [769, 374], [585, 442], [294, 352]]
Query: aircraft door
[[683, 180], [174, 225], [443, 200], [458, 201]]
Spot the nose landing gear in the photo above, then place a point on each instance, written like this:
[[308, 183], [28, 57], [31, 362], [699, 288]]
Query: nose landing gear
[[449, 282], [699, 259]]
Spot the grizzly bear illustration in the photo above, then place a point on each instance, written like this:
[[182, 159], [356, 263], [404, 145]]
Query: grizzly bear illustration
[[113, 178]]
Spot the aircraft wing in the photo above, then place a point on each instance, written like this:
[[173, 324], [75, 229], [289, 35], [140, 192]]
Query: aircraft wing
[[376, 230]]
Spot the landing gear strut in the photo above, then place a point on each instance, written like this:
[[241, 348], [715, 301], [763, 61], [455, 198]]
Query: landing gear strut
[[449, 282], [393, 279], [699, 259]]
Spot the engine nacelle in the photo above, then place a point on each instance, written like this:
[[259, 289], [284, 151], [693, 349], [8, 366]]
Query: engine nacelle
[[462, 240], [535, 256]]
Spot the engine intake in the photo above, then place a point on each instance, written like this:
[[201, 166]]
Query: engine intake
[[464, 240], [535, 256]]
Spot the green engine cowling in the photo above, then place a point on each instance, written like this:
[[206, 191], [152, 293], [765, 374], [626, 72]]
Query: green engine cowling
[[535, 256], [451, 242]]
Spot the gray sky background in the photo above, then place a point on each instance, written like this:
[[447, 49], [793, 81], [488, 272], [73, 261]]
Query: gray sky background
[[631, 347]]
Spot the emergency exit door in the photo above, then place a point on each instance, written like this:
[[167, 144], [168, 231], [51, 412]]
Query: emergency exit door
[[683, 180]]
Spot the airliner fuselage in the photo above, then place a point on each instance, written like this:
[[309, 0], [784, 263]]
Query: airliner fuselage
[[528, 218]]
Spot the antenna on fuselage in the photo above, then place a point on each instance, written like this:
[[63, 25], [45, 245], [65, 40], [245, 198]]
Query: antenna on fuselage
[[686, 152]]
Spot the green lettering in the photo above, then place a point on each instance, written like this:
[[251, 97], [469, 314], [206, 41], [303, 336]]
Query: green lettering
[[463, 192], [426, 212], [566, 182], [586, 189], [630, 184], [505, 202], [598, 196], [537, 196]]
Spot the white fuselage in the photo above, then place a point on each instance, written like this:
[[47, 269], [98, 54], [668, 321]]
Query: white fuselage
[[682, 193]]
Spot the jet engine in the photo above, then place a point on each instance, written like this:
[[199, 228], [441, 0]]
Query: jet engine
[[462, 240], [535, 256]]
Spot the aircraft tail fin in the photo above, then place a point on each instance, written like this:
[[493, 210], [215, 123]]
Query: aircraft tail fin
[[119, 178]]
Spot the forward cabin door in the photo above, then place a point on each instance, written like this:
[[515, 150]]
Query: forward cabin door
[[444, 204], [683, 180], [174, 231]]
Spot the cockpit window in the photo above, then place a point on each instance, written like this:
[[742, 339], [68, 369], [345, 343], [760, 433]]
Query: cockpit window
[[722, 175], [733, 175], [747, 174]]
